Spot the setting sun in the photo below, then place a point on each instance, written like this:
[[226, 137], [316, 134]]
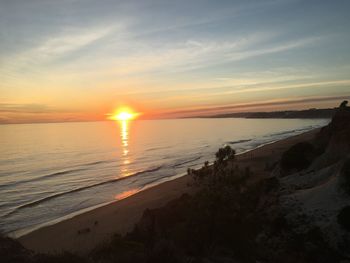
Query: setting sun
[[124, 114]]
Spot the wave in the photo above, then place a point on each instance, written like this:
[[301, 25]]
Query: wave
[[239, 141], [97, 162], [185, 162], [288, 132], [39, 201], [40, 178], [156, 148], [53, 175]]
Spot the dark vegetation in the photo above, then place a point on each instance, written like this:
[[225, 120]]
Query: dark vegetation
[[213, 223], [345, 173], [344, 217], [298, 157], [343, 104], [13, 252]]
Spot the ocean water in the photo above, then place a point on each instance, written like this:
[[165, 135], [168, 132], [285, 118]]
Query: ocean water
[[53, 171]]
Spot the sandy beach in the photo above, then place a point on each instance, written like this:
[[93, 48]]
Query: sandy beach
[[85, 231]]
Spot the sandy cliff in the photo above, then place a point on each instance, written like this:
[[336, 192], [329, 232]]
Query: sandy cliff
[[317, 194]]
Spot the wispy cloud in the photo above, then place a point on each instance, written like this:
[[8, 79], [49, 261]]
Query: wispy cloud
[[254, 105], [277, 87], [27, 108], [34, 112], [51, 48], [14, 108], [294, 44], [69, 41], [195, 54]]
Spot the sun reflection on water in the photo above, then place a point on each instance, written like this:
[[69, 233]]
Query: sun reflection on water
[[125, 194], [124, 135]]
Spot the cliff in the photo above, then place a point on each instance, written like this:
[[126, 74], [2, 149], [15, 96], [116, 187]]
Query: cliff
[[320, 193]]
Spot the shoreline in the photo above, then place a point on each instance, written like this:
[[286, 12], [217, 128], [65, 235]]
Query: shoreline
[[26, 231], [82, 232]]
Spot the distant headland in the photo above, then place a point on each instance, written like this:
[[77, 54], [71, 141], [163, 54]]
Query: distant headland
[[289, 114]]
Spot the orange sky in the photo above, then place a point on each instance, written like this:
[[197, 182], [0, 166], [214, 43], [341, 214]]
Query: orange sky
[[70, 61]]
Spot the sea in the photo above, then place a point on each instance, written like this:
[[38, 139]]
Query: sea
[[53, 171]]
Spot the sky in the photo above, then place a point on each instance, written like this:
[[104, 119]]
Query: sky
[[80, 60]]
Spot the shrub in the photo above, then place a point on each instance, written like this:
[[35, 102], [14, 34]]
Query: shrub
[[298, 157], [220, 170], [64, 257], [344, 217], [119, 249], [12, 251], [343, 104], [345, 173], [224, 154]]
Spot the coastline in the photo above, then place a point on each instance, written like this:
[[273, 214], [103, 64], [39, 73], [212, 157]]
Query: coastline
[[84, 231]]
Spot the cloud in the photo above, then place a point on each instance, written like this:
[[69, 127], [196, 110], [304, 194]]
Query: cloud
[[243, 106], [51, 48], [273, 86], [36, 113], [70, 41], [28, 108], [249, 82], [196, 54], [274, 49]]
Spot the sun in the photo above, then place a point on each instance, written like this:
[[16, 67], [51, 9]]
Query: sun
[[123, 114]]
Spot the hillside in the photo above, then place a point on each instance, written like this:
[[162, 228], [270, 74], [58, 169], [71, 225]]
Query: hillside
[[320, 192]]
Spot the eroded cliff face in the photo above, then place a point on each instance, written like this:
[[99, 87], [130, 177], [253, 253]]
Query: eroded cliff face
[[333, 141], [318, 194]]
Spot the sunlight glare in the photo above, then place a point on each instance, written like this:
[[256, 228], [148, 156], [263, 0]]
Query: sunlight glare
[[124, 114]]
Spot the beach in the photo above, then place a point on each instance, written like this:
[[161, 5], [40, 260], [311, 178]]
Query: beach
[[83, 232], [73, 174]]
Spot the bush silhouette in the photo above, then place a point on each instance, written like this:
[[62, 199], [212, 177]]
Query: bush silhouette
[[224, 154], [345, 172], [298, 157], [344, 217], [343, 104]]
